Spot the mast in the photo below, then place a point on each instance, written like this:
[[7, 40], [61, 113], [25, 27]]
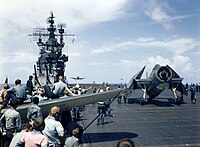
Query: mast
[[51, 62]]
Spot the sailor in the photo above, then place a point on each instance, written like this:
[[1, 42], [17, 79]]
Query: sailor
[[40, 93], [73, 140], [17, 92], [94, 90], [4, 92], [29, 85], [101, 110], [108, 108], [119, 98], [10, 122], [126, 142], [34, 111], [58, 89], [17, 138], [53, 128], [125, 97], [77, 89], [76, 110], [35, 138], [193, 95]]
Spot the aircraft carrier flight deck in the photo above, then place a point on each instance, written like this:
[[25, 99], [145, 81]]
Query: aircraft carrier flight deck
[[160, 124]]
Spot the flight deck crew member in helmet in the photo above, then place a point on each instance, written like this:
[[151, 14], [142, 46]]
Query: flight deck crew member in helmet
[[101, 110], [53, 129], [11, 122]]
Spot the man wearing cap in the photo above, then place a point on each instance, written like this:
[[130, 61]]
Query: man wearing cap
[[11, 121], [53, 129]]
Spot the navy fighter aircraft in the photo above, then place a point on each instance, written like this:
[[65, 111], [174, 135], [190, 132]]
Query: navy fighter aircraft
[[77, 78], [161, 78]]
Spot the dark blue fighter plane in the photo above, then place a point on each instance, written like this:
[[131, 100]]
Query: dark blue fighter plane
[[161, 78]]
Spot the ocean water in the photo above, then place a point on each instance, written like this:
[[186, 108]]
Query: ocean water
[[1, 85]]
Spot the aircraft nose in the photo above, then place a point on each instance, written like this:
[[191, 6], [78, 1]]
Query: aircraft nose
[[164, 73]]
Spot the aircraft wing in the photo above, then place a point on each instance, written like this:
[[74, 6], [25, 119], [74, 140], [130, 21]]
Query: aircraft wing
[[177, 80], [73, 78], [142, 83], [132, 83], [69, 102]]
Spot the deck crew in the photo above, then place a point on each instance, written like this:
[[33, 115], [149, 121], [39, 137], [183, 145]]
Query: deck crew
[[10, 122], [34, 111], [101, 110], [193, 95], [17, 92]]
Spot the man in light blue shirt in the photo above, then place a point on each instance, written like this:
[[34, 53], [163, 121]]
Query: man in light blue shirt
[[53, 129], [58, 89]]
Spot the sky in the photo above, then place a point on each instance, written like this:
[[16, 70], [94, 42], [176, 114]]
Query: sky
[[114, 38]]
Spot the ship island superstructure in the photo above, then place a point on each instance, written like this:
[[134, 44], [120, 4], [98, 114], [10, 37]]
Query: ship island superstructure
[[51, 62]]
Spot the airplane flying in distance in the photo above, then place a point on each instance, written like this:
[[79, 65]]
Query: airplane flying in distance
[[160, 79], [77, 78]]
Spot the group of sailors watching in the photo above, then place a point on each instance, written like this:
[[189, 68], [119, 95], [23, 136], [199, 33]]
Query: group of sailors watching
[[42, 132], [10, 122], [36, 131], [24, 92]]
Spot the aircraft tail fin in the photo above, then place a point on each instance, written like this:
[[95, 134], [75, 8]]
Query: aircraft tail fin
[[132, 82]]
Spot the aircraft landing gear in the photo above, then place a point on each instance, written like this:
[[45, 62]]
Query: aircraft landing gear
[[142, 101], [178, 101], [149, 100]]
